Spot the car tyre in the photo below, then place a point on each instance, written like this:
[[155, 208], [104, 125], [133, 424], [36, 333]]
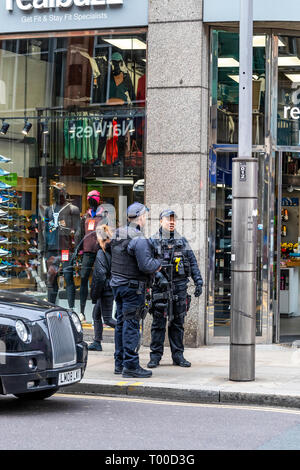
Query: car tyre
[[41, 395]]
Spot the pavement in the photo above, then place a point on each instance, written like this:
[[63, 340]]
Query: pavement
[[277, 376]]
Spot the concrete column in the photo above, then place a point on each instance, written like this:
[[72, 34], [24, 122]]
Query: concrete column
[[177, 132]]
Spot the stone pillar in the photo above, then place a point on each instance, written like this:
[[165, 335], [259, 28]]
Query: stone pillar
[[177, 129]]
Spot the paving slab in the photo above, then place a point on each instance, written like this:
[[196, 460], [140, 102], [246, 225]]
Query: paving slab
[[277, 381]]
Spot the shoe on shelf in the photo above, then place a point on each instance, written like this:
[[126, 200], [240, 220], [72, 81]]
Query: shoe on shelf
[[95, 346], [136, 373], [152, 364], [118, 370], [182, 362], [4, 185], [82, 318], [4, 159]]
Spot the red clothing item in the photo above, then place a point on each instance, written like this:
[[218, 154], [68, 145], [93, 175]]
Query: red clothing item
[[141, 96], [141, 92], [112, 146], [90, 243]]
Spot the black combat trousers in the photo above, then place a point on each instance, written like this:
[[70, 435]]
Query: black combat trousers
[[175, 327]]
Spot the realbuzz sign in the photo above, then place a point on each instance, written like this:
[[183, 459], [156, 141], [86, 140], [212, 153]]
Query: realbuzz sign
[[27, 5]]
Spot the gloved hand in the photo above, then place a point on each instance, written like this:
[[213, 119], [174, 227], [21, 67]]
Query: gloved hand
[[161, 281], [198, 290]]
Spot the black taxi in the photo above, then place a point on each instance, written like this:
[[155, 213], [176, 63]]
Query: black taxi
[[41, 347]]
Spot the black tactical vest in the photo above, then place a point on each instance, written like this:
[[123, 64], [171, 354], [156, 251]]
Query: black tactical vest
[[123, 264]]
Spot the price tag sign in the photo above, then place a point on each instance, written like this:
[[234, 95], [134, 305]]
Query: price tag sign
[[65, 255], [91, 225]]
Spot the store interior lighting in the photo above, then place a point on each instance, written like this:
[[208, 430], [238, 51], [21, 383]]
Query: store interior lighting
[[236, 78], [289, 61], [294, 77], [260, 41], [227, 62], [27, 128], [45, 127], [127, 43], [123, 181]]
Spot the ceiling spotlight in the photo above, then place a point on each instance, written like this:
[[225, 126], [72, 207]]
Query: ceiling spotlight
[[4, 128], [228, 62], [27, 128], [45, 127]]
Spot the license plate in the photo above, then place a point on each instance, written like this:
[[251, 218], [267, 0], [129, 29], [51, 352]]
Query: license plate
[[70, 377]]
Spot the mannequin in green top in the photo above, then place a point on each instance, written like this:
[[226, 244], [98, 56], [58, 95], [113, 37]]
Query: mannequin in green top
[[121, 89]]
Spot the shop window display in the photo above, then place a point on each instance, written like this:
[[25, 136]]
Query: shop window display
[[221, 204], [226, 86], [72, 142], [288, 91]]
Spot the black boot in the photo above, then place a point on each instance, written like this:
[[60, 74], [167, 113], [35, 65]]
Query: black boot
[[95, 346], [137, 373], [182, 362], [152, 364]]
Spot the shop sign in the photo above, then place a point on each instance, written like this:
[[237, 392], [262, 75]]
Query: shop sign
[[293, 111], [55, 15], [102, 129], [27, 5]]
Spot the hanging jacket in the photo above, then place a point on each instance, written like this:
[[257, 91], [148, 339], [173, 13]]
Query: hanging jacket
[[101, 275]]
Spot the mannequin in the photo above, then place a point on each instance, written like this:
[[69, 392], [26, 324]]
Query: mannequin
[[121, 89], [90, 245], [121, 92], [62, 233]]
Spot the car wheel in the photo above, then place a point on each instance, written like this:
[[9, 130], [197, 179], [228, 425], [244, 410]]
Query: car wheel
[[41, 395]]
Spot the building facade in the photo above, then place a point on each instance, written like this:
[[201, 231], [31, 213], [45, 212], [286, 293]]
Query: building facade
[[193, 137], [138, 100]]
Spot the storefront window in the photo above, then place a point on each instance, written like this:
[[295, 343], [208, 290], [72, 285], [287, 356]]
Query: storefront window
[[288, 91], [225, 87], [73, 121], [221, 205]]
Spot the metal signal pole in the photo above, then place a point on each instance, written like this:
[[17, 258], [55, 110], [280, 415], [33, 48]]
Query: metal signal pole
[[244, 218]]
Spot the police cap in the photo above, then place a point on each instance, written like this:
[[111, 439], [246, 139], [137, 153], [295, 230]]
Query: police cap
[[136, 209], [167, 213]]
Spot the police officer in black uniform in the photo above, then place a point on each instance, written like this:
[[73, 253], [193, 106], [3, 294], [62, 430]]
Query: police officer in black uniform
[[178, 264], [133, 265]]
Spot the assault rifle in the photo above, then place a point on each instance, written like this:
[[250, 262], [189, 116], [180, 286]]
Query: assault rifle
[[163, 301]]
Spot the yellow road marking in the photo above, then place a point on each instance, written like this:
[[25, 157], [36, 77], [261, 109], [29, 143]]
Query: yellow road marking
[[120, 384], [178, 403], [89, 326]]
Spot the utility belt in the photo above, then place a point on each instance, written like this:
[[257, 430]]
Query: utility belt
[[160, 303], [156, 297], [140, 286]]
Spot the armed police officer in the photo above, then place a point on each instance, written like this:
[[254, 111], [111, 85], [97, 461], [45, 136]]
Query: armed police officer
[[133, 265], [170, 301]]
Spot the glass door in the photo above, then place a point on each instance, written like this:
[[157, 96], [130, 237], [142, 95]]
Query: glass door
[[287, 255], [287, 233], [220, 246]]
